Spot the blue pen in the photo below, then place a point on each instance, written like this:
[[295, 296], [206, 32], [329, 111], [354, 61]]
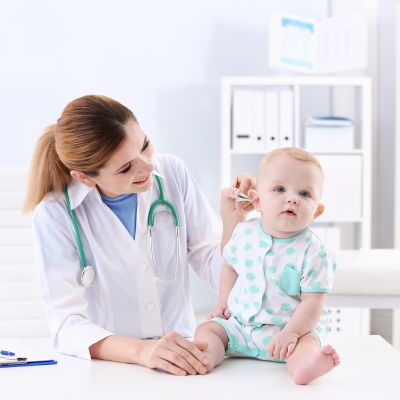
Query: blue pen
[[7, 353]]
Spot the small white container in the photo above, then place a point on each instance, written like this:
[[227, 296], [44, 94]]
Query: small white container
[[329, 138]]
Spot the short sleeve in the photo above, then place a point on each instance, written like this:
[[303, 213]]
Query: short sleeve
[[230, 252], [318, 269]]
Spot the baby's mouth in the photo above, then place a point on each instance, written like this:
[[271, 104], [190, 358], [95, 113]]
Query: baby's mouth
[[289, 213]]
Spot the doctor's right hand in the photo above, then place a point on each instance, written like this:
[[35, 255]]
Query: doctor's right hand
[[175, 354]]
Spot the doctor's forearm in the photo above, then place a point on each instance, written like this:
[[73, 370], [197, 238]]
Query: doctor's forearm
[[118, 348]]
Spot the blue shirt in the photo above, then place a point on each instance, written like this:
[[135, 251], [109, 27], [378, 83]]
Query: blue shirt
[[124, 207]]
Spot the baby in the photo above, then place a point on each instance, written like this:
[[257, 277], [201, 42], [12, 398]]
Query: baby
[[276, 275]]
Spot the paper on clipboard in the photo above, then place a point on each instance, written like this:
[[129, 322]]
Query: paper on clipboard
[[22, 350]]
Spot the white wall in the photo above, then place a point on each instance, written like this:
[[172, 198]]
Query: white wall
[[163, 59]]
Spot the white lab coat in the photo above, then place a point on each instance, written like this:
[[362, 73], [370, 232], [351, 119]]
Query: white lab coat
[[124, 300]]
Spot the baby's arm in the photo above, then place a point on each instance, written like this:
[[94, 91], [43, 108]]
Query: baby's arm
[[227, 280], [303, 321]]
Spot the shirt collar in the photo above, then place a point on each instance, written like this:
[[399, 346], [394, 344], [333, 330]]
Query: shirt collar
[[77, 192]]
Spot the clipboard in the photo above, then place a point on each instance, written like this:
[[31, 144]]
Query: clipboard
[[22, 355]]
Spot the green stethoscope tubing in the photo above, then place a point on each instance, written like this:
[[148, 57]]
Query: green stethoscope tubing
[[161, 201], [76, 229], [150, 222]]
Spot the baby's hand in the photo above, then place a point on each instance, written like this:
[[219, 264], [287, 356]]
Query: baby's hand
[[221, 310], [282, 344]]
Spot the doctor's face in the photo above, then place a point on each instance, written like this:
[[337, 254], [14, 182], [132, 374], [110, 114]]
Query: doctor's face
[[129, 169]]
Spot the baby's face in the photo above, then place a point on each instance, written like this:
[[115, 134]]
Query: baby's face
[[289, 192]]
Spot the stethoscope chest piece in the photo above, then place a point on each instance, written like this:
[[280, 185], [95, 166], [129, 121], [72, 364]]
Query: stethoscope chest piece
[[88, 276]]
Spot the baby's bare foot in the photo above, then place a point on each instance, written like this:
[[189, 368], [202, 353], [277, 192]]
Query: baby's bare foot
[[319, 365]]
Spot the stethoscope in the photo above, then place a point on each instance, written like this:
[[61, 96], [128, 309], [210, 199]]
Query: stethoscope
[[88, 273]]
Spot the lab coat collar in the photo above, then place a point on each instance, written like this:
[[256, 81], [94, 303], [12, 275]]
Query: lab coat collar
[[78, 191]]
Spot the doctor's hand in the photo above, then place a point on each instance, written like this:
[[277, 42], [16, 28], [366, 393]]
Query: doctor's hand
[[232, 212], [221, 310], [176, 355]]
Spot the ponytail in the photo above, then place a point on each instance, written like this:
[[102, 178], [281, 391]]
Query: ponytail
[[47, 173]]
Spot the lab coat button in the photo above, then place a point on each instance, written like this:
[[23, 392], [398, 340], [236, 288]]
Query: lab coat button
[[142, 266], [150, 306]]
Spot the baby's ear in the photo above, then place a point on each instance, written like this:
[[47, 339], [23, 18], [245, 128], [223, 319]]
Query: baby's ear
[[320, 210], [253, 194]]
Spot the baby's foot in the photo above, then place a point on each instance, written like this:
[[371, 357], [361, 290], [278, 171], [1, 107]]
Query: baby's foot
[[319, 365]]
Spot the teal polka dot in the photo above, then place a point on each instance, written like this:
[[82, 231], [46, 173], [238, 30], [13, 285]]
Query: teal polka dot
[[269, 310], [290, 265], [248, 246], [234, 261], [306, 251], [246, 306], [334, 266], [233, 249], [256, 305], [266, 340], [250, 276], [286, 307], [275, 282], [322, 251], [254, 289], [305, 264], [263, 244], [312, 272], [276, 320], [259, 259], [308, 239], [290, 251], [249, 263], [272, 269], [326, 264], [248, 231]]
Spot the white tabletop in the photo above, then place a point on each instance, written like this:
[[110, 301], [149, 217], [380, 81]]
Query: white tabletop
[[370, 369]]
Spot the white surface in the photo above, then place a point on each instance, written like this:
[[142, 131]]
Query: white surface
[[368, 371]]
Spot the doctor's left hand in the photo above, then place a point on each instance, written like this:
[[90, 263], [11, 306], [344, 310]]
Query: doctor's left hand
[[176, 355]]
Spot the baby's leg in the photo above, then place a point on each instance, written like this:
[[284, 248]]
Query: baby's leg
[[309, 361], [215, 336]]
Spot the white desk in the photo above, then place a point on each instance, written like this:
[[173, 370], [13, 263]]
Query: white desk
[[369, 370]]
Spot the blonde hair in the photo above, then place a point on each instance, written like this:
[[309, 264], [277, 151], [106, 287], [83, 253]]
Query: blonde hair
[[89, 130], [294, 152]]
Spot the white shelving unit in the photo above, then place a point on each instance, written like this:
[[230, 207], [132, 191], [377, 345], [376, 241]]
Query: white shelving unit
[[344, 96], [314, 95]]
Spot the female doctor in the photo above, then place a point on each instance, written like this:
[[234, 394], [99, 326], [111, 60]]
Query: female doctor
[[115, 229]]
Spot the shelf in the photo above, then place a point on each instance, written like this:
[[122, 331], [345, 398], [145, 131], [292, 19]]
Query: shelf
[[319, 153], [296, 80]]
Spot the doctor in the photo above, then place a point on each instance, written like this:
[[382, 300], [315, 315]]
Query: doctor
[[106, 282]]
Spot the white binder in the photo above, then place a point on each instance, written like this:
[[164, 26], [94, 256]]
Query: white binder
[[286, 119], [242, 120], [258, 127], [271, 107]]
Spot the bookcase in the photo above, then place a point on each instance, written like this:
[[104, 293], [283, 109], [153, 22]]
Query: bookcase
[[346, 222], [347, 193]]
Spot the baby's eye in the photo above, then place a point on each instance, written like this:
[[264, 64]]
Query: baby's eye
[[279, 189], [305, 193]]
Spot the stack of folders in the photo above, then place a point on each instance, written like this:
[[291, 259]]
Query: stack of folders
[[329, 133], [262, 120]]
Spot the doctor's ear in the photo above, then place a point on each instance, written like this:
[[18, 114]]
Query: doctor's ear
[[320, 210], [253, 194], [83, 178]]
